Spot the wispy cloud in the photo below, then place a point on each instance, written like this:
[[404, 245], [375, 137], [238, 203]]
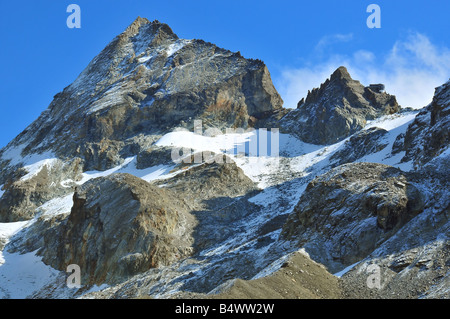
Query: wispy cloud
[[331, 39], [410, 70]]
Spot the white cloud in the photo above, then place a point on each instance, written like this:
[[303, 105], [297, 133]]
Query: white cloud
[[329, 40], [412, 69]]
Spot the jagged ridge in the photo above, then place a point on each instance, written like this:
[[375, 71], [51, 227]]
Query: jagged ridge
[[339, 108]]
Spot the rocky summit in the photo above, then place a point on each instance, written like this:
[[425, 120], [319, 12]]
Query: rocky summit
[[336, 110], [145, 83], [345, 196]]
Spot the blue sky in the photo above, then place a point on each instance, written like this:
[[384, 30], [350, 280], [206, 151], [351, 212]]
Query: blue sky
[[301, 42]]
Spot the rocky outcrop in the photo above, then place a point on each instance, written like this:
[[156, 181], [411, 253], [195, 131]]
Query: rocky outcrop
[[154, 156], [346, 213], [417, 272], [203, 183], [336, 110], [415, 262], [25, 194], [119, 226], [360, 144], [217, 194], [428, 136], [299, 277]]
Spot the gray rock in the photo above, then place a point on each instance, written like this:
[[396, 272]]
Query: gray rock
[[360, 144], [154, 156], [217, 195], [398, 145], [415, 261], [148, 81], [119, 226], [346, 213], [336, 110], [419, 272], [428, 136], [208, 181], [23, 196]]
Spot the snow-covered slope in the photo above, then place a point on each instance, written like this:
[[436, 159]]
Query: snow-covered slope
[[281, 180]]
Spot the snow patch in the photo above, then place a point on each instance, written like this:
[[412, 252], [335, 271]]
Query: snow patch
[[175, 47], [198, 143], [56, 206], [128, 166], [390, 122], [144, 58], [88, 175], [266, 197], [395, 124], [7, 230], [13, 154], [32, 163], [346, 270], [34, 168], [22, 274], [273, 267]]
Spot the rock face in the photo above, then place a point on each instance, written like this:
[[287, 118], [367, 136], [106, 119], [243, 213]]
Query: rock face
[[417, 272], [346, 213], [147, 81], [209, 181], [415, 262], [360, 144], [336, 110], [153, 156], [217, 195], [23, 195], [119, 226], [428, 136]]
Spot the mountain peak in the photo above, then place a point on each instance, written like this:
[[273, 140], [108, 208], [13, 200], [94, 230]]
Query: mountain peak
[[339, 82], [139, 21], [143, 25], [148, 81], [341, 73], [338, 108], [134, 27]]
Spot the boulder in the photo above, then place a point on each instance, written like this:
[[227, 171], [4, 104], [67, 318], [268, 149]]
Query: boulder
[[346, 213], [119, 226]]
